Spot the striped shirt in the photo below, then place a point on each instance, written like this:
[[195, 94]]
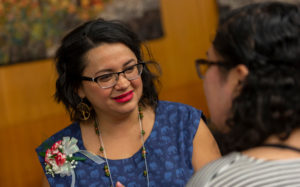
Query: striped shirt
[[238, 170]]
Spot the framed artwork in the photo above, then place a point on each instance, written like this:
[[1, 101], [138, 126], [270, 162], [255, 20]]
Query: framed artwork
[[227, 5], [32, 29]]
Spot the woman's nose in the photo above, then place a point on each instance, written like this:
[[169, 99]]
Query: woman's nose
[[122, 82]]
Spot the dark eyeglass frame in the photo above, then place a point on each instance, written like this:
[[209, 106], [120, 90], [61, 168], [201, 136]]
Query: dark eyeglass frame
[[201, 61], [95, 79]]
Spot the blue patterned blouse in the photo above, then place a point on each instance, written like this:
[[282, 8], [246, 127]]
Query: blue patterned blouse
[[169, 153]]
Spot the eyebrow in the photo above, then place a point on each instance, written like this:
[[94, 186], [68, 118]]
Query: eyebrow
[[110, 70]]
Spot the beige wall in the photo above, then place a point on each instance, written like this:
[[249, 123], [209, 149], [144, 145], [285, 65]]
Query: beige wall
[[29, 114]]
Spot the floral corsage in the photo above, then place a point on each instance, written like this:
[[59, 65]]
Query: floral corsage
[[59, 158]]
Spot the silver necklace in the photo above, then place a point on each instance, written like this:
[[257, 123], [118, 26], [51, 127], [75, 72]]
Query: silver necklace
[[102, 150]]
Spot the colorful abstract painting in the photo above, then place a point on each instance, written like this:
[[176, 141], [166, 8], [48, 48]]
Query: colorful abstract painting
[[32, 29]]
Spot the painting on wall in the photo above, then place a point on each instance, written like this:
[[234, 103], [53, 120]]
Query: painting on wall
[[32, 29], [227, 5]]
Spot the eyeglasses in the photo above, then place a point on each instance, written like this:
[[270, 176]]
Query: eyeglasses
[[110, 79], [202, 66]]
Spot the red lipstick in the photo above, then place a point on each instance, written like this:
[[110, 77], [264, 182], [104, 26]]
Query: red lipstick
[[124, 97]]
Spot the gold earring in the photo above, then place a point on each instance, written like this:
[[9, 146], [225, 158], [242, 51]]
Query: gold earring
[[84, 110]]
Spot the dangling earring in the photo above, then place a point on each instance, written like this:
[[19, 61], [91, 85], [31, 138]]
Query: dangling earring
[[84, 110]]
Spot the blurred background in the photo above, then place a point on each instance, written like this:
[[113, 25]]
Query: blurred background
[[28, 112]]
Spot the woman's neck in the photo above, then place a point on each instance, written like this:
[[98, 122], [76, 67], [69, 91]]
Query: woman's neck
[[293, 139], [276, 153], [114, 131], [117, 124]]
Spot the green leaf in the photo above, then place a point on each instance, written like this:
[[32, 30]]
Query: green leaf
[[47, 145], [42, 154], [78, 158], [53, 156]]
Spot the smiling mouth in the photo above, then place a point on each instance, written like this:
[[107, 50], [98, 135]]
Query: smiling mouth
[[124, 97]]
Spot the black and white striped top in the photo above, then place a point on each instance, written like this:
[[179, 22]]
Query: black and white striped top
[[238, 170]]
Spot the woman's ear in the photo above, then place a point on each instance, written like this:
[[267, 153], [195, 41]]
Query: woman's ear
[[237, 76], [80, 92], [240, 73]]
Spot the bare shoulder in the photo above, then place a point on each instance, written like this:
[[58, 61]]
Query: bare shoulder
[[205, 148]]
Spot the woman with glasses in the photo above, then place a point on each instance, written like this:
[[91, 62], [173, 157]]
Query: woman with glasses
[[252, 83], [121, 131]]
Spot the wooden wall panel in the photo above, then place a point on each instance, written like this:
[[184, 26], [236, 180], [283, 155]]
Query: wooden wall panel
[[189, 27], [27, 91], [29, 114], [19, 164], [3, 105]]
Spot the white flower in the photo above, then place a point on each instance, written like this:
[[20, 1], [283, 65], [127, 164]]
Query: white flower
[[59, 158]]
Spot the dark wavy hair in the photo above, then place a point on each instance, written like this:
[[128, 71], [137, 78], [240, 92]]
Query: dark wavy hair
[[70, 61], [266, 38]]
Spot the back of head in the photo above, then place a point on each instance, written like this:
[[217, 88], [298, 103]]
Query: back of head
[[266, 38]]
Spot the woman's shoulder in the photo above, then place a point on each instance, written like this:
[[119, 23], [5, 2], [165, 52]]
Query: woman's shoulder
[[180, 116], [170, 109], [73, 130], [171, 105], [209, 171], [235, 167]]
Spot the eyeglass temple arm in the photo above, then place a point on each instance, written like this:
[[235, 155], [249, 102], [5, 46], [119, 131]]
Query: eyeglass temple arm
[[88, 79]]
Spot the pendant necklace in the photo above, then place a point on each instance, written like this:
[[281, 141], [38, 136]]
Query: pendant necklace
[[102, 149]]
